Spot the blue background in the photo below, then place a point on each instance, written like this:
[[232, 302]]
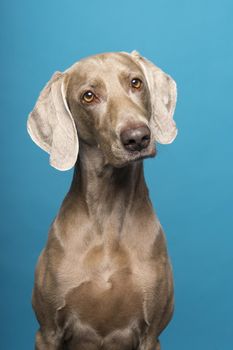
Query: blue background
[[190, 181]]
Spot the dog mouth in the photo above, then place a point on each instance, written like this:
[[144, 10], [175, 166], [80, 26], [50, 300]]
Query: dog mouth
[[125, 157], [142, 154]]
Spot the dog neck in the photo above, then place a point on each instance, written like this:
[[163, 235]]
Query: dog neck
[[107, 193]]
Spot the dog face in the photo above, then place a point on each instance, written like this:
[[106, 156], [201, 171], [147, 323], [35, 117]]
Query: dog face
[[109, 100], [118, 102]]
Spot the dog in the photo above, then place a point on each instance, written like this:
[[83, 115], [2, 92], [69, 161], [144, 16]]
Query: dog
[[104, 279]]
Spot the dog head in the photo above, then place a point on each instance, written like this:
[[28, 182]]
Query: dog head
[[119, 102]]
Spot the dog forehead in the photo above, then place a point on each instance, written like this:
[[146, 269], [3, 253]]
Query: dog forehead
[[103, 66]]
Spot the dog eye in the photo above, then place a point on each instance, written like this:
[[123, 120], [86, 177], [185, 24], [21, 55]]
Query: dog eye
[[136, 83], [88, 96]]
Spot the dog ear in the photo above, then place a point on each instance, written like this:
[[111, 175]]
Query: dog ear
[[51, 125], [163, 100]]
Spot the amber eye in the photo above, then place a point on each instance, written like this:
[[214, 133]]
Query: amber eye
[[136, 83], [88, 96]]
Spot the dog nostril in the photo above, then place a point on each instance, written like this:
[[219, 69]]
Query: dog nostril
[[131, 142], [135, 139], [145, 138]]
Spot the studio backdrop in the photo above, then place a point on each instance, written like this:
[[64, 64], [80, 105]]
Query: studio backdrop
[[190, 181]]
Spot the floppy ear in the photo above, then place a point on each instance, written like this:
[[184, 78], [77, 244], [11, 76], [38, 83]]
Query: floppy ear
[[163, 100], [51, 125]]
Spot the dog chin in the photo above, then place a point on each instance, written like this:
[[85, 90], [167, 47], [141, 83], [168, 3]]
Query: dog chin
[[134, 156], [140, 155]]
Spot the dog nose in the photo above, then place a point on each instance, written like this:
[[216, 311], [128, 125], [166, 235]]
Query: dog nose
[[135, 139]]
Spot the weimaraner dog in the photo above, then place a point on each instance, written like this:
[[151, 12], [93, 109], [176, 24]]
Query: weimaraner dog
[[104, 279]]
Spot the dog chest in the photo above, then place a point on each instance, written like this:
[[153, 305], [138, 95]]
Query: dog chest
[[106, 307]]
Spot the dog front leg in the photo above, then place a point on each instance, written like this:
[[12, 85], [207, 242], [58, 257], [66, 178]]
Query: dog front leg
[[158, 345], [151, 345], [48, 340]]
